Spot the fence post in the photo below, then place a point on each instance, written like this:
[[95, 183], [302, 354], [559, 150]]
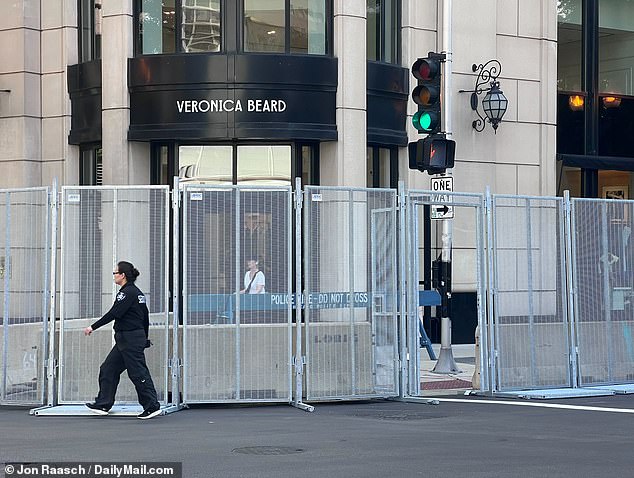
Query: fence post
[[175, 362], [51, 362], [299, 359], [570, 286], [492, 354]]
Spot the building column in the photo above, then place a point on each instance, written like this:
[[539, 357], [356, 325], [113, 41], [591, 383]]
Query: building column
[[344, 162], [20, 99], [123, 162]]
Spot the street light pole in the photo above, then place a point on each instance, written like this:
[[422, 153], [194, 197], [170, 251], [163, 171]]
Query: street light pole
[[446, 362]]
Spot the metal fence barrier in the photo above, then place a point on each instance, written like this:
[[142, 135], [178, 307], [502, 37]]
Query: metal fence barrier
[[603, 300], [468, 263], [237, 289], [531, 322], [553, 280], [101, 226], [25, 243], [351, 308]]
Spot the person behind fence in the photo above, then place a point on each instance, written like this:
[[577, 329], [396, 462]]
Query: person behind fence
[[131, 326], [254, 280]]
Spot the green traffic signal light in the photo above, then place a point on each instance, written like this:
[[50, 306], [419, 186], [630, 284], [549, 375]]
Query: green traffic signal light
[[425, 121]]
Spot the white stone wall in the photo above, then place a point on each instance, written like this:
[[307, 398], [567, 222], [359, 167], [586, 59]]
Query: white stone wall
[[520, 158], [522, 35]]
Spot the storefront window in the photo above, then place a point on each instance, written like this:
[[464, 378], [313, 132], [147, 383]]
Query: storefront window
[[266, 23], [256, 164], [615, 184], [264, 164], [89, 30], [157, 26], [200, 25], [616, 46], [383, 32], [208, 164]]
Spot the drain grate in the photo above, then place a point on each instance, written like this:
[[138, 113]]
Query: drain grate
[[267, 450]]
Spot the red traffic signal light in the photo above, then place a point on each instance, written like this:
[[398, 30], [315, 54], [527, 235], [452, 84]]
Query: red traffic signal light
[[426, 69]]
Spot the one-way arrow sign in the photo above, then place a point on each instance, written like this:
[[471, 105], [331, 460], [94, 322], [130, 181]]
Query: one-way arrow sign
[[441, 186]]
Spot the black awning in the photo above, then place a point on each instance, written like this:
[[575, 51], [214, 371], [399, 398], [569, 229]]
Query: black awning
[[612, 163]]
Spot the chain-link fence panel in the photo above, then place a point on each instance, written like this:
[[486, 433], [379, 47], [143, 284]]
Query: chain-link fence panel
[[603, 278], [532, 328], [350, 277], [25, 240], [237, 285], [101, 226]]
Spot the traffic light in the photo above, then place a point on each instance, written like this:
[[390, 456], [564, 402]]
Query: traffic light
[[426, 94], [433, 154]]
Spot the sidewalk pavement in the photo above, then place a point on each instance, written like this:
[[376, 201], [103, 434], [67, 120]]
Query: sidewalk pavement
[[452, 383]]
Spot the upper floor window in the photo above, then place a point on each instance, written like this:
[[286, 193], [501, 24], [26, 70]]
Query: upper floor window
[[616, 47], [200, 27], [162, 24], [282, 26], [569, 45], [383, 30], [295, 26], [89, 30]]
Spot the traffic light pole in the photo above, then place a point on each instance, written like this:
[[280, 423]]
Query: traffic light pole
[[446, 362]]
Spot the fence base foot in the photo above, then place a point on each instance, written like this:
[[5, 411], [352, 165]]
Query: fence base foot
[[34, 411], [425, 401], [303, 406]]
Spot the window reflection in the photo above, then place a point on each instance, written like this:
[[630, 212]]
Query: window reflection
[[257, 164], [383, 33], [569, 45], [616, 46], [308, 26], [264, 25], [269, 165], [157, 26], [201, 25], [206, 164]]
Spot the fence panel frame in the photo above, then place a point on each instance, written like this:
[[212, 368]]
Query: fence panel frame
[[164, 379], [307, 268], [602, 224], [416, 199], [44, 342], [567, 318], [183, 190]]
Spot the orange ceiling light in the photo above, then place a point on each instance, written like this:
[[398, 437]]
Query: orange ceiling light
[[576, 102], [611, 101]]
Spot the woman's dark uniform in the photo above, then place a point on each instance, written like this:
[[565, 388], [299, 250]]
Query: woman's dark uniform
[[131, 326]]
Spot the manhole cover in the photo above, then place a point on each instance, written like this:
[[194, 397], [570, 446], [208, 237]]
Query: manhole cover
[[398, 416], [406, 416], [267, 450]]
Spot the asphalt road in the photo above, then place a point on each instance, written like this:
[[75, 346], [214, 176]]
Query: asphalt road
[[359, 439]]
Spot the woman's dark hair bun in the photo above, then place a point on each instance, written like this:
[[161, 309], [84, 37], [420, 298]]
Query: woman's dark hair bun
[[131, 272]]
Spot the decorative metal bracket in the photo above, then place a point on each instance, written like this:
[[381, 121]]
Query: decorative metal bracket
[[488, 74]]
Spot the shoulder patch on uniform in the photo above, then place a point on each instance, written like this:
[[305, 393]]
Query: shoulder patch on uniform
[[120, 296], [141, 299]]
